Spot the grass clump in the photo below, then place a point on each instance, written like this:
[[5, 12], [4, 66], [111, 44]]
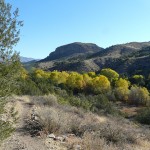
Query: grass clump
[[5, 130]]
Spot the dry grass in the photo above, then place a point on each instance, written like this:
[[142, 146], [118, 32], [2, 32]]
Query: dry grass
[[91, 131]]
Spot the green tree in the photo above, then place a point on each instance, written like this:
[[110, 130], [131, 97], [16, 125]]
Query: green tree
[[9, 60], [138, 79]]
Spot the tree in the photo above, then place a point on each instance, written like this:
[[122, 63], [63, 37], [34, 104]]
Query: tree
[[138, 79], [139, 96], [122, 89], [100, 84], [75, 81], [9, 37], [110, 74]]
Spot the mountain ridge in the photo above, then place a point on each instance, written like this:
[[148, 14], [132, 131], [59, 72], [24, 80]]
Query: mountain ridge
[[128, 58], [72, 50]]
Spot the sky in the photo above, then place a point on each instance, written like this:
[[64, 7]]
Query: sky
[[49, 24]]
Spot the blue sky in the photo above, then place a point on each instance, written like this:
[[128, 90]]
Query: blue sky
[[52, 23]]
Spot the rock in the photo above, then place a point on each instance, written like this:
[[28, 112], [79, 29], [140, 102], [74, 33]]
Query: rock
[[51, 136], [71, 135], [65, 137], [59, 138], [77, 147]]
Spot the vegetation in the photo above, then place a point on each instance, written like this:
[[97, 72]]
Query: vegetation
[[144, 116], [91, 91], [9, 60], [90, 131]]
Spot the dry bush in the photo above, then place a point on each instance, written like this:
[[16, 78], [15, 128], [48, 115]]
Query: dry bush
[[139, 96], [92, 142], [63, 119], [92, 131], [47, 100]]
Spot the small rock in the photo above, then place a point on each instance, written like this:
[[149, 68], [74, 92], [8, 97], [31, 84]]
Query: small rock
[[59, 138], [51, 136], [65, 137], [77, 147], [70, 135]]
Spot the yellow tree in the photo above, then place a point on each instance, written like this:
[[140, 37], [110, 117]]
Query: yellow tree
[[87, 79], [62, 77], [100, 84], [75, 81], [110, 74], [41, 74], [92, 74], [122, 89]]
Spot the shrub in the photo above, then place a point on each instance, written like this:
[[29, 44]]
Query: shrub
[[5, 130], [139, 96], [28, 87], [47, 100], [101, 104], [143, 116]]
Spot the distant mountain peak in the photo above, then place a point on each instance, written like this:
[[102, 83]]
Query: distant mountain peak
[[27, 59], [72, 49]]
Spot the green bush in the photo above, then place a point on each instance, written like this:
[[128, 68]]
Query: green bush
[[5, 130], [28, 87], [143, 116]]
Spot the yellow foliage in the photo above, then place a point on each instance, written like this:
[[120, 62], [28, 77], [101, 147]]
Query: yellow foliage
[[24, 73], [100, 84], [75, 81], [109, 73], [122, 89]]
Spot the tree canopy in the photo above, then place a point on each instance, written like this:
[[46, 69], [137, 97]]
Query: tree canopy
[[9, 37]]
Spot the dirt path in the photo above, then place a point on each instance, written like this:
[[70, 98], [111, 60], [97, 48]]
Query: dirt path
[[21, 139]]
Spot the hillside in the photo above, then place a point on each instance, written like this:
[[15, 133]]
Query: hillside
[[129, 58], [43, 123], [120, 50]]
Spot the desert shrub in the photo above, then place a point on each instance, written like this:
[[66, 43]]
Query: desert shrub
[[143, 116], [92, 142], [49, 119], [47, 100], [80, 102], [115, 134], [101, 104], [56, 120], [139, 96], [64, 119]]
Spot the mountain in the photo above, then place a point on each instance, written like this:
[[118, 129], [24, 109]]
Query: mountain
[[26, 59], [120, 50], [130, 58], [76, 49]]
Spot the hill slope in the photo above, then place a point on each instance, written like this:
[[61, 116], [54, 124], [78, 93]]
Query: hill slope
[[126, 58]]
